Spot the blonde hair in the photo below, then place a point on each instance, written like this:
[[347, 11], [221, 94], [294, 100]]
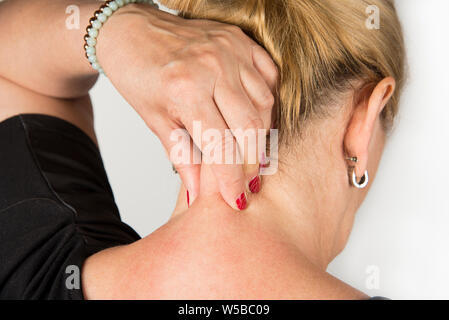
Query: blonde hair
[[319, 46]]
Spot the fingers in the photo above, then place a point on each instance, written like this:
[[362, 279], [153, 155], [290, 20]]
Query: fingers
[[265, 65], [221, 90], [259, 93], [181, 202], [216, 144], [243, 118], [190, 176], [184, 156], [268, 70]]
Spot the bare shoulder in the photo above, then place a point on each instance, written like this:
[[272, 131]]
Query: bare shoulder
[[185, 259]]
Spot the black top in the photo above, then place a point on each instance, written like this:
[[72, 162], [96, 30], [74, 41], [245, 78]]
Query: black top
[[56, 208]]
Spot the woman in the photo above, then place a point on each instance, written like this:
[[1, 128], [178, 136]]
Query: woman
[[337, 96], [339, 88]]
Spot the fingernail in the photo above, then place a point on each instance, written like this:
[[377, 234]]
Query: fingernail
[[264, 163], [241, 202], [254, 185], [188, 199]]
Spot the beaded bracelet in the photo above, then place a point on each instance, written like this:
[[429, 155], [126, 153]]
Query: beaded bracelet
[[97, 21]]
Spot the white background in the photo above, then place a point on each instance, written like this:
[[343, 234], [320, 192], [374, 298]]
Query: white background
[[402, 229]]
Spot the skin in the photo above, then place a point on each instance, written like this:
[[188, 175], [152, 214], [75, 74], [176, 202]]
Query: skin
[[182, 71], [278, 248]]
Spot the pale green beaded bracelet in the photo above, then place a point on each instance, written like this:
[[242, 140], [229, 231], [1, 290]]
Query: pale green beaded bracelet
[[97, 21]]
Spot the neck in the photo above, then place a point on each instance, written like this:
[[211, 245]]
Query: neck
[[303, 216], [290, 231], [290, 210]]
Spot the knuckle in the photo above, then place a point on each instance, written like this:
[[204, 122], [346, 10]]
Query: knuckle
[[173, 111], [267, 100], [207, 54], [268, 64], [274, 74], [234, 29], [210, 58], [224, 40], [175, 78]]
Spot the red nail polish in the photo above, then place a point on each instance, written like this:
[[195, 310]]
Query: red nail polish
[[264, 163], [241, 202], [188, 199], [254, 185]]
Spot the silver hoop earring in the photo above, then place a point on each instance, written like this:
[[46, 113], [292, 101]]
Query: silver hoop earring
[[362, 183]]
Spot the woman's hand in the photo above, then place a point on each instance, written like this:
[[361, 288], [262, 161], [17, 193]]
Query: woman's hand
[[175, 71]]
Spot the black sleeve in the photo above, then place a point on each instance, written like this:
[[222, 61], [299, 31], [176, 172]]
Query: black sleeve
[[56, 208]]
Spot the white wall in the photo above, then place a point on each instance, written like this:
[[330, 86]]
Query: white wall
[[402, 228]]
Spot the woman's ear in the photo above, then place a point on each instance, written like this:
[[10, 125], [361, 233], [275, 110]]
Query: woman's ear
[[362, 124]]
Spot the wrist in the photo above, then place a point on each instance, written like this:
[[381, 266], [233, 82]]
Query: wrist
[[111, 24]]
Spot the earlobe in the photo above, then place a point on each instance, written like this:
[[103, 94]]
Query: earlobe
[[362, 124]]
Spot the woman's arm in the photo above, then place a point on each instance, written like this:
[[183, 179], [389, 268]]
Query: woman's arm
[[171, 70], [39, 52]]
